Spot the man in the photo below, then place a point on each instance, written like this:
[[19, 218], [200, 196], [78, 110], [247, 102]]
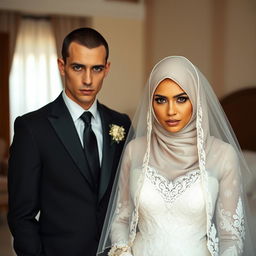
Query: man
[[62, 162]]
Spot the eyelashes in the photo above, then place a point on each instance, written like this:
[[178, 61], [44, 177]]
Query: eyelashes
[[77, 67], [162, 100], [182, 99], [95, 69]]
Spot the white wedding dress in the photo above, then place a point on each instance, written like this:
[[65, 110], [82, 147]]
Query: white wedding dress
[[172, 217], [180, 193], [172, 213]]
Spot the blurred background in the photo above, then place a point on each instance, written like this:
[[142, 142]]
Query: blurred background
[[219, 36]]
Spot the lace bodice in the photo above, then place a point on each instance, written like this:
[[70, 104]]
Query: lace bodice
[[171, 214]]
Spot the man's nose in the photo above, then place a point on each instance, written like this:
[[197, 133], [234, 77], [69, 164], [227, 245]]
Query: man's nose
[[87, 77]]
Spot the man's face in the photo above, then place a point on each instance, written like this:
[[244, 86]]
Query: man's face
[[84, 72]]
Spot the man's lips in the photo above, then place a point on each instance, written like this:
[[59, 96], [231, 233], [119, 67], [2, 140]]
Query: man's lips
[[172, 122], [87, 91]]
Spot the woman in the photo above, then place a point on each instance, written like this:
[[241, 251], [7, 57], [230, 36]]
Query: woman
[[179, 191]]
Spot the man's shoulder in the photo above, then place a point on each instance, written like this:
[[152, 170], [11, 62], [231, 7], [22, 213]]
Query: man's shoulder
[[39, 113]]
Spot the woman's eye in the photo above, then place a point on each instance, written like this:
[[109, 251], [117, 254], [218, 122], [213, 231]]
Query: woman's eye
[[160, 100], [182, 99]]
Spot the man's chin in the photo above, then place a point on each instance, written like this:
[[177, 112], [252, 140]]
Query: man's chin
[[87, 103]]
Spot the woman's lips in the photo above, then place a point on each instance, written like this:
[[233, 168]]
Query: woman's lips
[[172, 122]]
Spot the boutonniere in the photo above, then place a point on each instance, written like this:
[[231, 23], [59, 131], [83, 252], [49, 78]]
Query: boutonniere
[[117, 133]]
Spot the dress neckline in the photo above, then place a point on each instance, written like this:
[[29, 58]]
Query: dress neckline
[[175, 180], [170, 190]]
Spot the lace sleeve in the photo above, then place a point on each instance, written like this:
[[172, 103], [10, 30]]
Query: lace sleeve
[[120, 225], [230, 213]]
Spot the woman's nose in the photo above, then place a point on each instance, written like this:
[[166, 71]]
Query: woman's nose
[[171, 109]]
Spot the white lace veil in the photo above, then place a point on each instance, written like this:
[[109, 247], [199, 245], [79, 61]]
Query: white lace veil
[[207, 144]]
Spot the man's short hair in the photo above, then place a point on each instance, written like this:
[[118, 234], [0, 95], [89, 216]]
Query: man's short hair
[[85, 36]]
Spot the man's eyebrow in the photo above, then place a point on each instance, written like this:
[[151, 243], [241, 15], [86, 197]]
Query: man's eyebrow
[[77, 64], [99, 66], [82, 65]]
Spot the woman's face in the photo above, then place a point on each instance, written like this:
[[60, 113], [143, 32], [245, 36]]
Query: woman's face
[[172, 106]]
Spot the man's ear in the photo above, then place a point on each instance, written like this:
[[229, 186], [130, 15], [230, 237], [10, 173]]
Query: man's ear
[[61, 65], [107, 68]]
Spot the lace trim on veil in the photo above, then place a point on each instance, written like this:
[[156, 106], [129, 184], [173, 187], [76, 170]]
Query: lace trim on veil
[[213, 241], [233, 224], [135, 215]]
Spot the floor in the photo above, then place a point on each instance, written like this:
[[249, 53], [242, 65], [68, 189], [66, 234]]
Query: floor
[[5, 237]]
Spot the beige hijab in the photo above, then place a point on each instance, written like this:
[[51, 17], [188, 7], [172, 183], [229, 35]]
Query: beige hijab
[[173, 154]]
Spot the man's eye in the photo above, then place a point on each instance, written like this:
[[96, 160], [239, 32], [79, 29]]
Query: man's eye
[[182, 99], [77, 68], [160, 100], [98, 69]]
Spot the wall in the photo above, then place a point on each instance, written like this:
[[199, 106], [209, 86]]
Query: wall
[[78, 7], [123, 85], [240, 57], [219, 36], [179, 28]]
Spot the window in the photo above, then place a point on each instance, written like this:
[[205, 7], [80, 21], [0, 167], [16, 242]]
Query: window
[[34, 77]]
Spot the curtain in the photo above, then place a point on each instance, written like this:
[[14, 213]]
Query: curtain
[[34, 76], [9, 23]]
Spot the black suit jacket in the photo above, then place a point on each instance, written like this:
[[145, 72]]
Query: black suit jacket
[[48, 173]]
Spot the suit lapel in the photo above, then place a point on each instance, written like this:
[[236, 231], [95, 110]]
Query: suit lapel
[[63, 124], [107, 152]]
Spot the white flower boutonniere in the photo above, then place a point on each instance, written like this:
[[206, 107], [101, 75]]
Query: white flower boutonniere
[[117, 133]]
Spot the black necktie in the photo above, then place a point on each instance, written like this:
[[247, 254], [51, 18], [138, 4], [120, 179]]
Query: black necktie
[[91, 148]]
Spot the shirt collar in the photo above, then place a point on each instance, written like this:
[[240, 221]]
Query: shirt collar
[[76, 110]]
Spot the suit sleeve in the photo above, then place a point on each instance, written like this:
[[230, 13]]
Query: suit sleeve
[[23, 186]]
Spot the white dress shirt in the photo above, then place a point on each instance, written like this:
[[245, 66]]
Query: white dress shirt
[[76, 111]]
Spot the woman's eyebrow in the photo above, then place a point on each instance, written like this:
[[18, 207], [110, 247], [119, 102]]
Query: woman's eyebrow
[[159, 95], [176, 96], [181, 94]]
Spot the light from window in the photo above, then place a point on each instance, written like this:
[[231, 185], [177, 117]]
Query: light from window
[[34, 77]]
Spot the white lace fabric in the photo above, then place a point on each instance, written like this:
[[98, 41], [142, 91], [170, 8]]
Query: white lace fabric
[[170, 190]]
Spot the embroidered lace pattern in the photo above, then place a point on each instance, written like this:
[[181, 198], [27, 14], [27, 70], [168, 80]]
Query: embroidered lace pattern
[[119, 249], [234, 224], [171, 190], [135, 216], [213, 241]]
